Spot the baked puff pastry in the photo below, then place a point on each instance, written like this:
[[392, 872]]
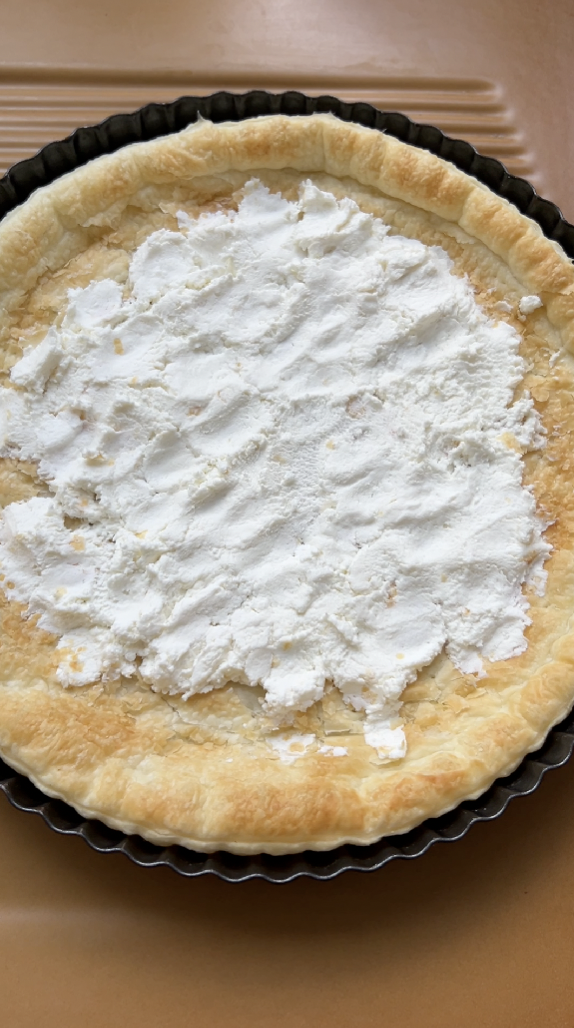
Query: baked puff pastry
[[287, 543]]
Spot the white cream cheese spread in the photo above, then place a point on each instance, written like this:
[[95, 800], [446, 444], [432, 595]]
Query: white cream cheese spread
[[292, 455], [528, 304]]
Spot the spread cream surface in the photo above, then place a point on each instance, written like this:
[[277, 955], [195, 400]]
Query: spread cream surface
[[289, 454]]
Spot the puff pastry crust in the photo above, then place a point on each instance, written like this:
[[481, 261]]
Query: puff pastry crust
[[201, 772]]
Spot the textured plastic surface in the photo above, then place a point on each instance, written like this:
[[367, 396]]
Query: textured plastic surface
[[57, 158], [154, 120], [37, 107]]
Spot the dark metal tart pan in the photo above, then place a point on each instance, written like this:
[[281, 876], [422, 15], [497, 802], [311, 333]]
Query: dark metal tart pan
[[154, 120]]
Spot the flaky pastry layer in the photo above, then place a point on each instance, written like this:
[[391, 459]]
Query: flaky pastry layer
[[201, 772]]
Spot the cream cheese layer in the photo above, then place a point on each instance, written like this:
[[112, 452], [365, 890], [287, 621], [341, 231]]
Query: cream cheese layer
[[292, 455]]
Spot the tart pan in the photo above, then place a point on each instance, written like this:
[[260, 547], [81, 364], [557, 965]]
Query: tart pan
[[154, 120]]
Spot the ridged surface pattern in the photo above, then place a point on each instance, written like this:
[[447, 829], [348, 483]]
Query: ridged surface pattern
[[155, 120], [34, 113]]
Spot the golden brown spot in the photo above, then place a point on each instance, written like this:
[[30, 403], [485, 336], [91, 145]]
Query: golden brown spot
[[510, 441], [391, 598], [540, 393], [355, 407], [72, 524], [456, 703], [297, 747], [118, 346], [78, 543]]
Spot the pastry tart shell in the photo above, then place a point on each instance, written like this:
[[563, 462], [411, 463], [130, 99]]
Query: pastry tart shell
[[200, 773]]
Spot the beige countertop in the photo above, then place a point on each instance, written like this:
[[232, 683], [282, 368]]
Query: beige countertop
[[516, 55], [478, 933]]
